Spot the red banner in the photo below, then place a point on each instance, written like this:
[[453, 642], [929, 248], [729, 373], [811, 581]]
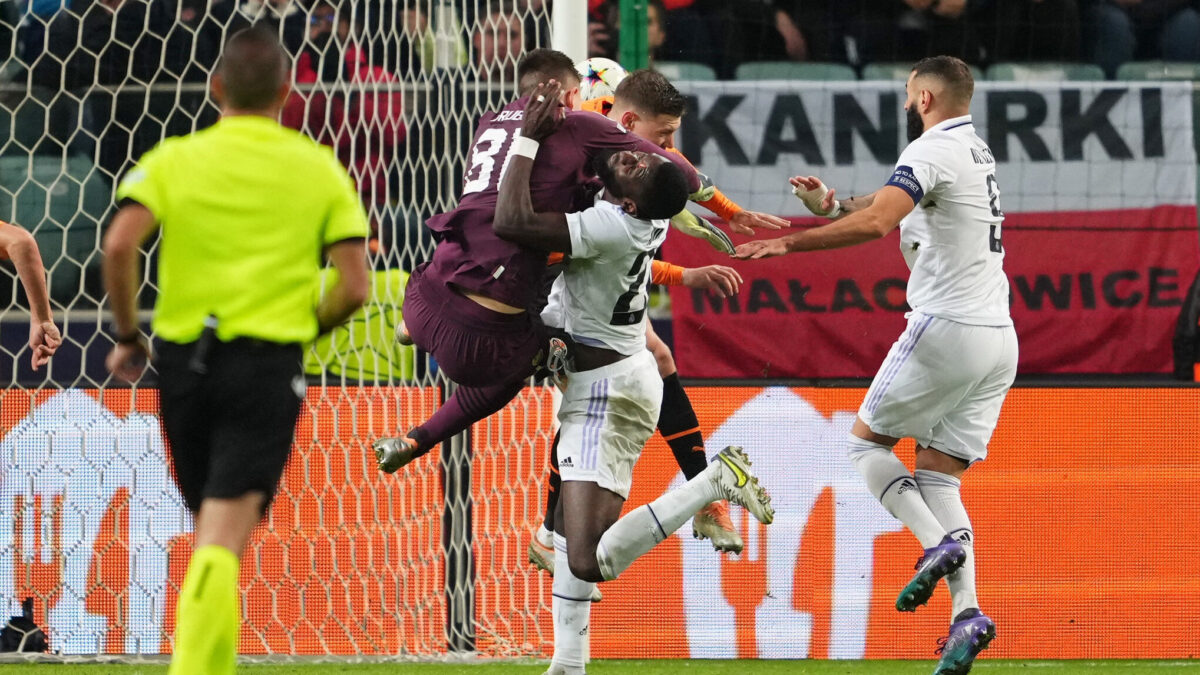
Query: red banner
[[1092, 292]]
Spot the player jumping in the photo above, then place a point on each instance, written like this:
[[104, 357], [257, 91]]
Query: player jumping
[[613, 392]]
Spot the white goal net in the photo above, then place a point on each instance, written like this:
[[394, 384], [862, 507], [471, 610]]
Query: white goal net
[[349, 561]]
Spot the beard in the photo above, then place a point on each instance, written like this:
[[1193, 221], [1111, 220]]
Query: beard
[[916, 126], [606, 173]]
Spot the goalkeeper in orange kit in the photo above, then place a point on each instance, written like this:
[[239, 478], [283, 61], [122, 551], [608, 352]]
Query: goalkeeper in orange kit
[[648, 105]]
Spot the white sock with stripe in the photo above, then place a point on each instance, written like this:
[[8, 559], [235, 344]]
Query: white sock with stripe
[[943, 494], [891, 483], [639, 530], [571, 608]]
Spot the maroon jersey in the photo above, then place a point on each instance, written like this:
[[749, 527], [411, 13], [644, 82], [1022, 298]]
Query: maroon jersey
[[468, 253]]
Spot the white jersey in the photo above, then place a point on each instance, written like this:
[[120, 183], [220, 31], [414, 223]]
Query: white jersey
[[601, 297], [951, 241]]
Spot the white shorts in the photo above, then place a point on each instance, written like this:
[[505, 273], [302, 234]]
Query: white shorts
[[942, 384], [607, 415]]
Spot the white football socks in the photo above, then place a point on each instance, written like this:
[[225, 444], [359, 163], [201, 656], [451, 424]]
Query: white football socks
[[891, 483], [942, 493], [571, 607], [639, 530]]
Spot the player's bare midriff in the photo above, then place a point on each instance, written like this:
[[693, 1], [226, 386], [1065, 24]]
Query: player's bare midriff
[[485, 301], [588, 357]]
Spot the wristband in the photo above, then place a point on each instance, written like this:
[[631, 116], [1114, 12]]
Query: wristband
[[523, 146]]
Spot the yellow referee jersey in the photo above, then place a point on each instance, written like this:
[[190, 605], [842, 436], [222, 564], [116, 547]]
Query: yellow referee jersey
[[246, 208]]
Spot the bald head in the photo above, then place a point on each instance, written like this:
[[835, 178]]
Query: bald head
[[253, 70], [948, 78]]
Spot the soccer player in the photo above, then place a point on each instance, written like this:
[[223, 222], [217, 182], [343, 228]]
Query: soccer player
[[945, 378], [610, 403], [19, 246], [248, 210], [469, 306], [648, 105]]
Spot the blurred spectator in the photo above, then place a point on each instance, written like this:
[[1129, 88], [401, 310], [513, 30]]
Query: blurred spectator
[[497, 42], [1030, 30], [195, 45], [603, 18], [679, 34], [287, 15], [1123, 30], [905, 30], [350, 105]]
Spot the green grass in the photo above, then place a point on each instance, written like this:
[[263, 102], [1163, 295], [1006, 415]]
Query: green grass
[[655, 667]]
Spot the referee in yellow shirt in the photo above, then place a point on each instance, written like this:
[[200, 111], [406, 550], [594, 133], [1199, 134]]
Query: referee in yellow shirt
[[247, 209]]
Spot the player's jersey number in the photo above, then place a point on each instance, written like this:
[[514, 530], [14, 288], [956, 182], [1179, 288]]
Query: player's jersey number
[[482, 173], [623, 314], [993, 189]]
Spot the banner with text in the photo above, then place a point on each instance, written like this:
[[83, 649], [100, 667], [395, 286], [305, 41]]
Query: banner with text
[[1098, 183]]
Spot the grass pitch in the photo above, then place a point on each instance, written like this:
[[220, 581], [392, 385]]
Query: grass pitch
[[653, 667]]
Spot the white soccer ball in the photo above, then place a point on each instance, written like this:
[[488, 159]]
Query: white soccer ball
[[598, 77]]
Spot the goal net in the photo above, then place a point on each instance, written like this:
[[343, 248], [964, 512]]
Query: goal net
[[348, 561]]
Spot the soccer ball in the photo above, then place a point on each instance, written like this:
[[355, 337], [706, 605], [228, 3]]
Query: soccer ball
[[598, 77]]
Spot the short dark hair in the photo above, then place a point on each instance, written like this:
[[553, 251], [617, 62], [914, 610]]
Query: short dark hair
[[952, 71], [253, 67], [664, 192], [541, 65], [650, 92]]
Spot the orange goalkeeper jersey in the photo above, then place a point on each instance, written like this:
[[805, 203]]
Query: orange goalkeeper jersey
[[719, 204]]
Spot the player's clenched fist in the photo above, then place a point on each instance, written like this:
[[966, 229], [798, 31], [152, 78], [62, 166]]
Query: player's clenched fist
[[718, 279], [760, 248]]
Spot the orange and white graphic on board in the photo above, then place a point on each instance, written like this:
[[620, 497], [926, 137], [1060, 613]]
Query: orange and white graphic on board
[[761, 610]]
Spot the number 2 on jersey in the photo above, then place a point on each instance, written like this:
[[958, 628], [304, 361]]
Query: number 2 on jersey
[[622, 314], [993, 189], [482, 173]]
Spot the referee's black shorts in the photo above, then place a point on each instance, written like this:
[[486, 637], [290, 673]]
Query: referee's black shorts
[[230, 430]]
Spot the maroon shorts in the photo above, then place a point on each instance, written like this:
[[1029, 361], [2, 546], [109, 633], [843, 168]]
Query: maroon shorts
[[472, 344]]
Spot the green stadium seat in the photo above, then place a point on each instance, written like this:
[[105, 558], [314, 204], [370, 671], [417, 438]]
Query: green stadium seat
[[63, 203], [792, 70], [365, 347], [1158, 70], [1045, 72], [899, 70], [685, 70]]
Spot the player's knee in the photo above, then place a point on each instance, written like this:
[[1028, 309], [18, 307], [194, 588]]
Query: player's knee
[[583, 563]]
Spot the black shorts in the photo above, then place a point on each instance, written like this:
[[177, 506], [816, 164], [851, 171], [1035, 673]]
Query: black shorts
[[230, 431]]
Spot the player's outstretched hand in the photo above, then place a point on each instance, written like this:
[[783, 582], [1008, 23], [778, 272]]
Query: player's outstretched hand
[[744, 222], [127, 360], [818, 198], [760, 248], [717, 279], [44, 340], [544, 111]]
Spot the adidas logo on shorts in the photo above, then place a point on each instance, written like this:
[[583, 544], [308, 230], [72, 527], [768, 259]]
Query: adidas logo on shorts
[[565, 461]]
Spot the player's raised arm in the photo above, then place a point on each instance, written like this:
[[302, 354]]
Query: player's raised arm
[[890, 205], [515, 219], [18, 245]]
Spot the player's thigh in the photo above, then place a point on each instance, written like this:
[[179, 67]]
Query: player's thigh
[[186, 420], [606, 417], [261, 391], [923, 377], [966, 429]]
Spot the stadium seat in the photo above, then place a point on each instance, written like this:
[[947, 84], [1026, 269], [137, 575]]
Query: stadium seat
[[365, 347], [1044, 72], [899, 70], [62, 202], [685, 70], [1158, 70], [791, 70]]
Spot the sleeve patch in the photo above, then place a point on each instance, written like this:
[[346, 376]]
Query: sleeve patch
[[905, 179]]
